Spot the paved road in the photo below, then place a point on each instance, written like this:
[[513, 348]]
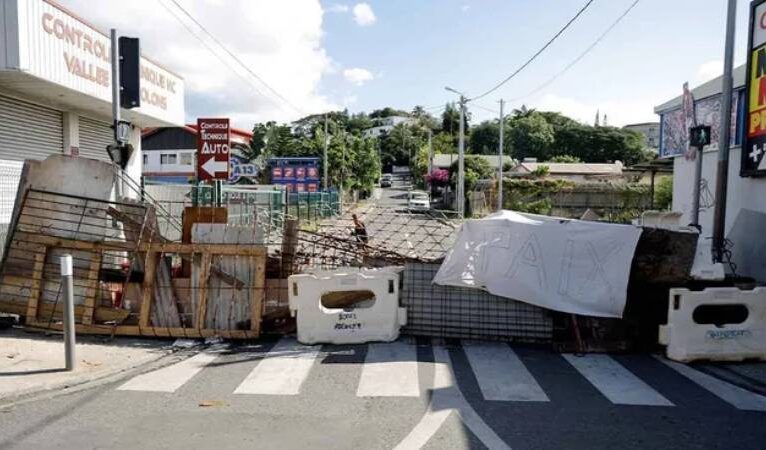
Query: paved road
[[410, 394]]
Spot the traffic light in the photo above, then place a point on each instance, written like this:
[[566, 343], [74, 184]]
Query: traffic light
[[130, 73]]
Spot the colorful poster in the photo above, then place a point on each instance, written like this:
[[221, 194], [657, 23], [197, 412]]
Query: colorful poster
[[753, 160]]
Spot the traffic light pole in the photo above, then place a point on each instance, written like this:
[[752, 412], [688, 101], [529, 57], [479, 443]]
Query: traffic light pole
[[118, 187]]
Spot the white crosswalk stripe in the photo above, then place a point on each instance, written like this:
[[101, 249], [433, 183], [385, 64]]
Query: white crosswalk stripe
[[735, 395], [501, 374], [170, 378], [389, 370], [282, 370], [617, 383]]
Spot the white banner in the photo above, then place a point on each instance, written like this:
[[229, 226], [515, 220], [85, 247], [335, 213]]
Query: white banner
[[566, 265]]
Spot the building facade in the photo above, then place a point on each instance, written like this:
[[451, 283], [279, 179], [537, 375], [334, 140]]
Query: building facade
[[170, 154], [650, 131], [55, 92], [386, 124], [746, 198]]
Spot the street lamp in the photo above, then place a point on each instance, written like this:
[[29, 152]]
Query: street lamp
[[460, 194]]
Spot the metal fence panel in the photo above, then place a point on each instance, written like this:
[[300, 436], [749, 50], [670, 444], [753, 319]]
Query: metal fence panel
[[451, 312]]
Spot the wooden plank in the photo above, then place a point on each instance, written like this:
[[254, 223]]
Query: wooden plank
[[204, 278], [91, 291], [289, 244], [37, 276], [102, 314], [259, 293], [147, 293]]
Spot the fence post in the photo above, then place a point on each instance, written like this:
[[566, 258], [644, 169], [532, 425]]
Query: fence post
[[69, 327]]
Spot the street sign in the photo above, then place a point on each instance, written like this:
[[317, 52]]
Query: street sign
[[699, 136], [213, 144], [240, 168], [753, 162]]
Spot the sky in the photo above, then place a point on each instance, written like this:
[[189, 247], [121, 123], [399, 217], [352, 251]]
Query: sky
[[311, 56]]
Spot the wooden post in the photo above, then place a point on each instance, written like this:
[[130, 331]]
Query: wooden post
[[258, 293], [204, 275], [150, 272], [37, 277], [91, 292], [289, 242]]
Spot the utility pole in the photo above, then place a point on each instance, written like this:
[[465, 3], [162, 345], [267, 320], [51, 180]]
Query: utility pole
[[342, 167], [116, 106], [722, 175], [461, 162], [430, 156], [324, 160], [460, 190], [500, 160]]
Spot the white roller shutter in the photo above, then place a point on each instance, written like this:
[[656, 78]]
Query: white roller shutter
[[94, 137], [29, 131]]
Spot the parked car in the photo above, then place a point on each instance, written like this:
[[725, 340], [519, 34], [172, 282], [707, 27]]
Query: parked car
[[418, 201], [386, 180]]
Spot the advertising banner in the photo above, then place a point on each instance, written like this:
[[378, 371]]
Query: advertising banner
[[753, 161]]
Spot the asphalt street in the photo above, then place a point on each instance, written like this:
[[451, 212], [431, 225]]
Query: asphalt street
[[408, 394]]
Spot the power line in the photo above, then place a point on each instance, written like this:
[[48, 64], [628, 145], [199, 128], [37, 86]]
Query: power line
[[215, 53], [529, 61], [233, 56], [581, 56]]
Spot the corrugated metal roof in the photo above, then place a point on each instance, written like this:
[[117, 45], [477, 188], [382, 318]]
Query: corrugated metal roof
[[572, 168], [707, 89], [444, 160]]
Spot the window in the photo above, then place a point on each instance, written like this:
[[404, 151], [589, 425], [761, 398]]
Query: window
[[168, 158], [186, 159], [146, 159]]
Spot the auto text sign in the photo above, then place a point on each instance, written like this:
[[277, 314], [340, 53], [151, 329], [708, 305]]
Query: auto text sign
[[213, 145], [753, 162]]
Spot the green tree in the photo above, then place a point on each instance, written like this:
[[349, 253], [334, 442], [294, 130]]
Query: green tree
[[476, 168], [531, 136], [399, 144], [485, 138], [663, 193]]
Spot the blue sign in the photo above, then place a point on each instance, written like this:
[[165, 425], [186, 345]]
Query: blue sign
[[239, 168], [299, 174]]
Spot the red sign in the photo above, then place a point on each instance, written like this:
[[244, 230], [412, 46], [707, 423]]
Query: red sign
[[213, 144]]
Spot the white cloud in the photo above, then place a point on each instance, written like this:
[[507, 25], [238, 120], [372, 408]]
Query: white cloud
[[357, 75], [620, 112], [280, 41], [338, 8], [465, 8], [709, 70], [363, 15]]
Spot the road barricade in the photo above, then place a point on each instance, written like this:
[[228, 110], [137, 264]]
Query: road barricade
[[717, 324], [347, 306]]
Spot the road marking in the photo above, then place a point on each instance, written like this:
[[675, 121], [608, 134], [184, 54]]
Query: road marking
[[389, 370], [445, 399], [617, 383], [170, 378], [282, 370], [501, 374], [735, 395]]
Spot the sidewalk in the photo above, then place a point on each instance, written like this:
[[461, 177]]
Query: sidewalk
[[34, 362]]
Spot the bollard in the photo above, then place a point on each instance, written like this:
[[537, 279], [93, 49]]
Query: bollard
[[68, 291]]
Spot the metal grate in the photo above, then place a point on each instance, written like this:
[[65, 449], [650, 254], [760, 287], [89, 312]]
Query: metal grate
[[452, 312]]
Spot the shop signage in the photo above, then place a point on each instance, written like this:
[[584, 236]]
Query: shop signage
[[754, 147], [213, 144]]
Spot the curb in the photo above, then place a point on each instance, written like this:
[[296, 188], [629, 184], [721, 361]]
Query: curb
[[70, 386]]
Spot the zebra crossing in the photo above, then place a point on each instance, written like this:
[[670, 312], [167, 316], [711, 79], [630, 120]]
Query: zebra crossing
[[392, 370]]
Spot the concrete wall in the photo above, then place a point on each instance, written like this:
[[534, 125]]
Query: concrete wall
[[745, 209]]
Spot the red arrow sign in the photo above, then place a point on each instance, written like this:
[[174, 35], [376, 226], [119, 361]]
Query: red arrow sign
[[213, 144]]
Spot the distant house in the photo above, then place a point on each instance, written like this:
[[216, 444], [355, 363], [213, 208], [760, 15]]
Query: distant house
[[445, 160], [170, 154], [577, 172], [650, 130], [386, 124]]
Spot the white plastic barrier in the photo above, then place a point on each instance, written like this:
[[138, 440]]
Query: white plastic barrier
[[739, 331], [374, 320]]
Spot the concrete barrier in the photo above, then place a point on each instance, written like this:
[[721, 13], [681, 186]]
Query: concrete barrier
[[347, 306], [717, 324]]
